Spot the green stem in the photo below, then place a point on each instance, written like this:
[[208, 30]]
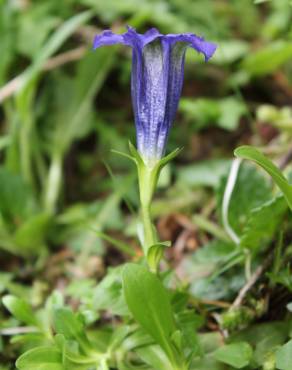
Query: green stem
[[25, 151], [149, 236], [180, 367], [147, 177], [148, 174]]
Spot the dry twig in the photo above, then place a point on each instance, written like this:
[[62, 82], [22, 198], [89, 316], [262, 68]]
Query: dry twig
[[67, 57], [251, 282]]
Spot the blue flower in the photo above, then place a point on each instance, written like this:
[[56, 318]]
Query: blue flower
[[156, 83]]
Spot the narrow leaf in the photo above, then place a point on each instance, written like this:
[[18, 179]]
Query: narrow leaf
[[53, 44], [20, 309], [248, 152]]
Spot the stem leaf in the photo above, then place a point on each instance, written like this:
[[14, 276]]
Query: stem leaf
[[149, 303]]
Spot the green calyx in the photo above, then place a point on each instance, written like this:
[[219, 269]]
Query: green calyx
[[148, 175]]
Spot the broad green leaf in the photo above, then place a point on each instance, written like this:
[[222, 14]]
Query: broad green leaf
[[20, 309], [248, 152], [108, 295], [30, 236], [40, 358], [155, 357], [70, 326], [73, 358], [210, 341], [220, 287], [138, 339], [149, 303], [231, 110], [237, 355], [263, 337], [203, 270], [204, 173], [283, 277], [284, 356], [207, 363], [230, 51], [188, 322], [251, 190], [225, 113], [16, 199], [263, 223], [201, 112], [268, 59]]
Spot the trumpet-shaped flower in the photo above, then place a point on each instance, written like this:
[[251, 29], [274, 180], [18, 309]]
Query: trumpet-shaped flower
[[156, 81]]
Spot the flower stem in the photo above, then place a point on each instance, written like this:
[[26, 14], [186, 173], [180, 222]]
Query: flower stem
[[147, 177], [149, 236]]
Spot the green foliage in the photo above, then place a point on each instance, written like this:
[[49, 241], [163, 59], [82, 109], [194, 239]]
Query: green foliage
[[263, 223], [256, 156], [108, 294], [252, 190], [238, 355], [268, 59], [149, 303], [224, 113], [264, 338], [284, 356], [205, 173], [41, 358], [20, 310], [69, 209]]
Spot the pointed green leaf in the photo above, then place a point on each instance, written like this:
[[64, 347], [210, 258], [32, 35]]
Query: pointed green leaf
[[41, 358], [263, 222], [155, 357], [20, 309], [237, 355], [248, 152], [30, 236], [123, 247], [149, 303], [70, 326], [136, 155], [163, 161], [123, 155]]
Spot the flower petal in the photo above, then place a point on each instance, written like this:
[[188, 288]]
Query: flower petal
[[157, 80], [107, 37], [194, 41], [152, 96], [135, 39]]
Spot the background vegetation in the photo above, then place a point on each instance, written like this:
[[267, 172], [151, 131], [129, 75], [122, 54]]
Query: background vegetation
[[68, 205]]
